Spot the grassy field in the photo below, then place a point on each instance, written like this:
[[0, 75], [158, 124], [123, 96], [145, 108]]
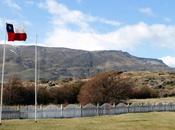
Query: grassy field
[[153, 100], [134, 121]]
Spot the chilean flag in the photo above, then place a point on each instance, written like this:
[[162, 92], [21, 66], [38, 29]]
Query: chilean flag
[[19, 35]]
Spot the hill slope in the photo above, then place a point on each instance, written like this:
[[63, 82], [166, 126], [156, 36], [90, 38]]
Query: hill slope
[[57, 63]]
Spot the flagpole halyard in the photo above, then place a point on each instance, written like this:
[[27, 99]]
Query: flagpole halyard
[[2, 80], [36, 78]]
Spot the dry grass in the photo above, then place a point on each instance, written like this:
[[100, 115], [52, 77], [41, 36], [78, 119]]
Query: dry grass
[[153, 100]]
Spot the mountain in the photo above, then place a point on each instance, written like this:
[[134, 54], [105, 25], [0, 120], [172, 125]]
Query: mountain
[[56, 63]]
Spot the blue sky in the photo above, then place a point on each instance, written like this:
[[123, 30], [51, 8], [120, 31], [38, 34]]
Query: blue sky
[[144, 28]]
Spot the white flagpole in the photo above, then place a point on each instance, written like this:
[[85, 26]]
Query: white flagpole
[[38, 65], [36, 79], [2, 80]]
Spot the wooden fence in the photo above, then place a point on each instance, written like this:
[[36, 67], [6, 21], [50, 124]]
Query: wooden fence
[[70, 111]]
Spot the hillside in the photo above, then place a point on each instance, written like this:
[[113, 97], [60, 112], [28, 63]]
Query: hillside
[[156, 80], [56, 63]]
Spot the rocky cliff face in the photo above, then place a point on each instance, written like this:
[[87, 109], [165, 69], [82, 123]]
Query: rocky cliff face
[[57, 63]]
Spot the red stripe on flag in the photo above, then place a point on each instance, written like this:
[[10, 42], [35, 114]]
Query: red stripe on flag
[[11, 36]]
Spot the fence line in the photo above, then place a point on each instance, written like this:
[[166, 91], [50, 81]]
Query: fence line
[[70, 111]]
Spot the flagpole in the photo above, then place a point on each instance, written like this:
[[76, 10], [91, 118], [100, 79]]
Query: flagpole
[[2, 80], [36, 79]]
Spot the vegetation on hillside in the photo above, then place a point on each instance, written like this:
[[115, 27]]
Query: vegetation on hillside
[[111, 87], [106, 87]]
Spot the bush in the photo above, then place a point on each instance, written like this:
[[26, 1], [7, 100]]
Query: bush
[[44, 96], [66, 94], [30, 96], [144, 92], [14, 92], [105, 87]]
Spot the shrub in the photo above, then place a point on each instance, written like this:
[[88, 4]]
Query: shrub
[[14, 92], [43, 96], [144, 92], [66, 94], [105, 87]]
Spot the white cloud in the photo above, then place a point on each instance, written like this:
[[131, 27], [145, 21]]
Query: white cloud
[[169, 60], [125, 37], [106, 21], [147, 11], [62, 16], [12, 4]]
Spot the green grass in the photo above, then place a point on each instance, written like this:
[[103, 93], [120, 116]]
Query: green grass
[[133, 121]]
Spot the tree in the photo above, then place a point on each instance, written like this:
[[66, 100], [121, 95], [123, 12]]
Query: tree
[[44, 96], [14, 92], [106, 87], [67, 93], [30, 96]]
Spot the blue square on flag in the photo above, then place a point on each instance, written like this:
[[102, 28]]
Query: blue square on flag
[[9, 27]]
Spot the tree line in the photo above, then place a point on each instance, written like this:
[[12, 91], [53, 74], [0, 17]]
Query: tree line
[[105, 87]]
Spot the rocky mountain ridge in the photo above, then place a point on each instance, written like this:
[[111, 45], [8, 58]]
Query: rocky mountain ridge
[[56, 63]]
